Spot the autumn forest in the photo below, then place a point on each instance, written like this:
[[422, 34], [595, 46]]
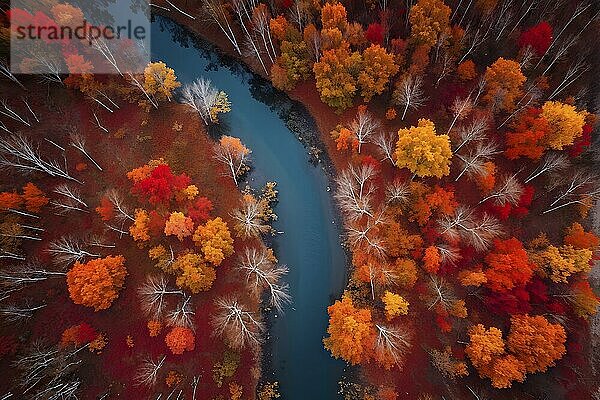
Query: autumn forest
[[154, 243]]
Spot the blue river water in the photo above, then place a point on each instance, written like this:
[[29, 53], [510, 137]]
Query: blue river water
[[310, 244]]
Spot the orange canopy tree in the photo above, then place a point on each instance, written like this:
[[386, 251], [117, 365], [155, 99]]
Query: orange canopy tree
[[97, 283], [351, 332], [180, 339], [508, 265], [504, 81]]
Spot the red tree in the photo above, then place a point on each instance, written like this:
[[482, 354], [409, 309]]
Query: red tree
[[374, 33], [508, 266], [161, 185], [538, 37]]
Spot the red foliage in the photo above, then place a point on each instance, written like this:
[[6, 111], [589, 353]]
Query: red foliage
[[200, 210], [374, 33], [161, 185], [538, 291], [522, 208], [105, 209], [508, 266], [515, 301], [538, 37], [581, 143], [156, 224], [78, 335]]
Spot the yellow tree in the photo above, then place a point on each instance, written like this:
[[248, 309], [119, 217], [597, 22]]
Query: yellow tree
[[429, 22], [422, 151], [139, 229], [351, 332], [215, 240], [565, 124], [335, 74], [504, 81], [160, 81], [193, 273], [394, 305], [378, 68]]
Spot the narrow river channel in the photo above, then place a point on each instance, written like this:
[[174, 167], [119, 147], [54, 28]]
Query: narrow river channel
[[310, 243]]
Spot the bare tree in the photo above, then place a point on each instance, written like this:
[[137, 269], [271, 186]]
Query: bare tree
[[13, 313], [235, 157], [552, 162], [243, 10], [11, 113], [392, 342], [354, 191], [249, 221], [236, 325], [299, 14], [409, 93], [71, 198], [68, 250], [147, 373], [261, 21], [478, 232], [78, 141], [17, 152], [263, 274], [473, 41], [474, 131], [460, 108], [202, 97], [581, 188], [183, 313], [509, 191], [575, 71], [122, 212], [218, 12], [473, 164], [398, 192], [364, 126], [441, 294], [49, 373], [579, 9], [448, 254], [386, 143], [5, 72], [364, 234], [17, 277], [153, 295]]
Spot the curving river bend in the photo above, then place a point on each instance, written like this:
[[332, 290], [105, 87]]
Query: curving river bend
[[310, 245]]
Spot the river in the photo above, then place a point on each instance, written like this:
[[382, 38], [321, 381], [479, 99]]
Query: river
[[310, 245]]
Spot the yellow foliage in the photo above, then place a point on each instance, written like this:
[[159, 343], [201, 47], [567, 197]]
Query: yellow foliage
[[160, 81], [422, 151], [565, 124], [139, 229], [429, 19], [394, 305], [215, 240]]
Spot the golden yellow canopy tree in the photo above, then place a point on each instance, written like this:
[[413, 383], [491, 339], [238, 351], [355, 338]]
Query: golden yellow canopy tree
[[429, 19], [193, 273], [97, 283], [504, 81], [351, 332], [422, 151], [335, 75], [565, 124], [394, 305], [215, 240], [160, 81], [378, 68]]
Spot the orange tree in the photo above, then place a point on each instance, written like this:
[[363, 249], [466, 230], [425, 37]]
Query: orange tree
[[97, 283]]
